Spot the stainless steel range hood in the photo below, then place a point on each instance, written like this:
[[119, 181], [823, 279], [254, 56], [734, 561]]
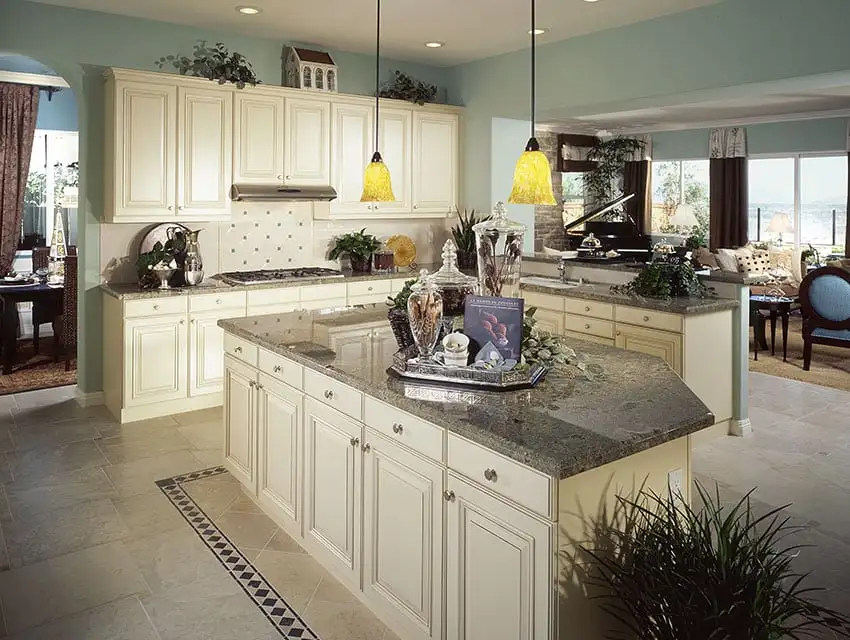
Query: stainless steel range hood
[[278, 193]]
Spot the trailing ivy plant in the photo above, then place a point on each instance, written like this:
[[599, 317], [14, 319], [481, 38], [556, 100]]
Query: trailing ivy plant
[[399, 300], [665, 281], [403, 87], [604, 183], [213, 63]]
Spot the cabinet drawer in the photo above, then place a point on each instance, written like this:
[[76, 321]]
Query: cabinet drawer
[[369, 288], [264, 297], [155, 306], [323, 291], [333, 393], [269, 309], [588, 325], [212, 302], [509, 478], [281, 368], [589, 338], [543, 301], [423, 437], [240, 349], [602, 310], [368, 299], [397, 284], [651, 319]]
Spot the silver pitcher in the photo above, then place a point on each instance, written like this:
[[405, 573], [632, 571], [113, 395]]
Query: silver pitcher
[[193, 267]]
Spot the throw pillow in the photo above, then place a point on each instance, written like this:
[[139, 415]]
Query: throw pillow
[[753, 261], [726, 260], [705, 258]]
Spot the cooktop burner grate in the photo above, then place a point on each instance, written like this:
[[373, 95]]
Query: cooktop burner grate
[[278, 275]]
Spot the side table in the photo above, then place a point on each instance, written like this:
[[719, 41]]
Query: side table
[[776, 306]]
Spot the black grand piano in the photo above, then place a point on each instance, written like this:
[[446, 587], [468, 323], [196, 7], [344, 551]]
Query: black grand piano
[[623, 236]]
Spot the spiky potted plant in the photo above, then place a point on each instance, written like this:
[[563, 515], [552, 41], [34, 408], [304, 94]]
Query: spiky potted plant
[[397, 315], [464, 238], [358, 246]]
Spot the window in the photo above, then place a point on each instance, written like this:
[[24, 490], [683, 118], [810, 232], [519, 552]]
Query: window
[[572, 187], [811, 190], [677, 182]]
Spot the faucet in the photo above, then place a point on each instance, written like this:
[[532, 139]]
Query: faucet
[[562, 270]]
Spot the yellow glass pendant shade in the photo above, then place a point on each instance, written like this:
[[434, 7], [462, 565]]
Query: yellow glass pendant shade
[[377, 184], [532, 178]]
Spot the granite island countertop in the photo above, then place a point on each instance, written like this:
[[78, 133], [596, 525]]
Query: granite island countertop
[[563, 426]]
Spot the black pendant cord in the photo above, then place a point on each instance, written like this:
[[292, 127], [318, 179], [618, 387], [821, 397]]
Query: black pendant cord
[[533, 145], [377, 82]]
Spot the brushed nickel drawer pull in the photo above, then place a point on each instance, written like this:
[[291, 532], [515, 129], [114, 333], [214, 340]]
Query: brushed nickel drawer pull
[[329, 394], [449, 496], [237, 349], [397, 428], [587, 308], [218, 300], [587, 326], [367, 448], [156, 307], [646, 318], [260, 386], [182, 321], [251, 383], [490, 474], [354, 442], [369, 289], [276, 368], [619, 333]]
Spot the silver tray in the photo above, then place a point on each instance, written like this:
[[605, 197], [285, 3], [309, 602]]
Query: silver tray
[[466, 376]]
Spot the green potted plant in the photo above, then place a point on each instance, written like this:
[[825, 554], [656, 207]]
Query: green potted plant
[[358, 246], [215, 63], [669, 571], [464, 238], [665, 281], [610, 156], [397, 315]]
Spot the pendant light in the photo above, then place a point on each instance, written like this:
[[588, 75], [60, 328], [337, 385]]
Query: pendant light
[[377, 186], [533, 175]]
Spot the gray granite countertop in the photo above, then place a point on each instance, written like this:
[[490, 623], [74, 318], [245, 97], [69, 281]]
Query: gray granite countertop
[[603, 293], [629, 267], [564, 426]]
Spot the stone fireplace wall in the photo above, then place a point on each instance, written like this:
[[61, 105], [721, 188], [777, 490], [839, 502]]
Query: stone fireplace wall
[[548, 220]]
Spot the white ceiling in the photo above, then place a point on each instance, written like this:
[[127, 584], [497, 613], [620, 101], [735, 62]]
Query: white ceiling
[[471, 29]]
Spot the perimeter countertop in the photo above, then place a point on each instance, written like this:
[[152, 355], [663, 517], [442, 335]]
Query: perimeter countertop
[[565, 425]]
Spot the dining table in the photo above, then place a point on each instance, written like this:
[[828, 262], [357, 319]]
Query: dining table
[[50, 295]]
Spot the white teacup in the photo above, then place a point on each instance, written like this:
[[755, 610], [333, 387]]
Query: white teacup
[[455, 351]]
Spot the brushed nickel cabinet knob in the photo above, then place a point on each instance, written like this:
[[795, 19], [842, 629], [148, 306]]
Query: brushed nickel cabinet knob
[[449, 496]]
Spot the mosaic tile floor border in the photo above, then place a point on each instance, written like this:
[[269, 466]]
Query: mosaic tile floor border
[[282, 616]]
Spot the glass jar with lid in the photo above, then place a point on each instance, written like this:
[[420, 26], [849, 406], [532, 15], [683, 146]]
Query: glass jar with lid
[[454, 285], [499, 245], [425, 311]]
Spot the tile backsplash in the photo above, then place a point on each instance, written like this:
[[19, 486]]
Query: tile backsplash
[[267, 236]]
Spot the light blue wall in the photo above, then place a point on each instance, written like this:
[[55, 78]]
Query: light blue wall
[[508, 142], [79, 45], [56, 114]]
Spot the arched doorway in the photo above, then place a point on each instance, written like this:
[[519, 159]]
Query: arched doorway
[[35, 298]]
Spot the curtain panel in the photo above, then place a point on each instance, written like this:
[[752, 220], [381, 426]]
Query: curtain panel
[[728, 201], [637, 172], [18, 112]]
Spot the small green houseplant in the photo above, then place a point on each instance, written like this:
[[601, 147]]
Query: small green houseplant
[[665, 281], [397, 315], [669, 571], [464, 238], [358, 246], [214, 62], [403, 87]]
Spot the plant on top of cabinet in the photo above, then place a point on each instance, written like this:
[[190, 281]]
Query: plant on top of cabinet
[[358, 246], [661, 551], [404, 87], [464, 237], [665, 281], [213, 63]]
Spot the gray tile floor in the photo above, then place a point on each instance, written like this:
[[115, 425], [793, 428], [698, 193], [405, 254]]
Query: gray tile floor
[[92, 550]]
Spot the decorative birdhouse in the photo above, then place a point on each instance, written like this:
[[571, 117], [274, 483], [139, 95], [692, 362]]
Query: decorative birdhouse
[[308, 69]]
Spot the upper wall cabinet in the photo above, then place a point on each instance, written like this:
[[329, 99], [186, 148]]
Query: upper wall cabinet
[[435, 162], [168, 149], [397, 151], [351, 144], [308, 142], [258, 129]]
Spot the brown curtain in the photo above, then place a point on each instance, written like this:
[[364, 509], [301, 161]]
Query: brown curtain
[[847, 230], [18, 112], [636, 181], [729, 203]]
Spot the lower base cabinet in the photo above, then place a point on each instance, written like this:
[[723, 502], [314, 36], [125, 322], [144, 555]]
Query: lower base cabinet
[[240, 423], [653, 342], [498, 573]]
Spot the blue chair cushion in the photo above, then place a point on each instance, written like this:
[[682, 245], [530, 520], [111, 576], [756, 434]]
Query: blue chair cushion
[[835, 334], [829, 296]]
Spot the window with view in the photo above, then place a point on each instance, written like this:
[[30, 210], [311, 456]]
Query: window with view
[[676, 183]]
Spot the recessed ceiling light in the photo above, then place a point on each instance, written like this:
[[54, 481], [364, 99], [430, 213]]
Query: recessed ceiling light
[[537, 32], [248, 11], [434, 45], [591, 0]]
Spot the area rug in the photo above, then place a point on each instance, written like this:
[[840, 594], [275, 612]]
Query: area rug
[[33, 371], [830, 365], [276, 610]]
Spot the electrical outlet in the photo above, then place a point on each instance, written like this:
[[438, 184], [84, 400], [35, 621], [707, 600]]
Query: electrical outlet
[[674, 484]]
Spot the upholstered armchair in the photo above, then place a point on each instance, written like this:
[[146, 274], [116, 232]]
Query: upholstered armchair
[[825, 300]]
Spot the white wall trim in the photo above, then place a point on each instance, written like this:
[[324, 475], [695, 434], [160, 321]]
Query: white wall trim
[[92, 399], [740, 428], [33, 78]]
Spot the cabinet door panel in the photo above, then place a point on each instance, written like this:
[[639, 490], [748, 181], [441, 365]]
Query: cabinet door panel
[[279, 417], [240, 433], [206, 350], [206, 150], [665, 345], [155, 352], [402, 562], [396, 150], [351, 141], [434, 162], [308, 146], [551, 321], [145, 150], [497, 569], [333, 466], [258, 139]]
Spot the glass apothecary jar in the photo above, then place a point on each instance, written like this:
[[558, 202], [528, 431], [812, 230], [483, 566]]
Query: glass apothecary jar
[[498, 242], [453, 284], [425, 310]]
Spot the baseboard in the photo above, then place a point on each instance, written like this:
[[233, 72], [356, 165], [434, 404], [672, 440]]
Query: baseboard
[[741, 427], [170, 407], [92, 399]]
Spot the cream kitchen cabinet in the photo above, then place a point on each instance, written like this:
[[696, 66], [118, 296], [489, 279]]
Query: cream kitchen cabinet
[[397, 151], [155, 350], [497, 568], [352, 144], [664, 344], [240, 423], [435, 162], [168, 148], [258, 135], [551, 321], [206, 339], [307, 142]]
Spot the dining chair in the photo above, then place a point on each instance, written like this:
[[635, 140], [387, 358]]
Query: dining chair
[[43, 311], [825, 301], [65, 327]]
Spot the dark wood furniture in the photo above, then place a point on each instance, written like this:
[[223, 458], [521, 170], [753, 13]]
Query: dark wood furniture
[[825, 300], [44, 311], [10, 297], [65, 328], [775, 307]]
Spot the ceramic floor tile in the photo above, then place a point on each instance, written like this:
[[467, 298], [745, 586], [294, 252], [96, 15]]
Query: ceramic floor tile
[[6, 444], [206, 435], [54, 434], [213, 608], [58, 491], [138, 430], [123, 619], [335, 621], [32, 465], [44, 398], [210, 457], [296, 576], [244, 504], [202, 416], [148, 513], [58, 411], [54, 533], [38, 593], [214, 495], [332, 590], [173, 558], [248, 531], [281, 541], [139, 476], [8, 402], [121, 449]]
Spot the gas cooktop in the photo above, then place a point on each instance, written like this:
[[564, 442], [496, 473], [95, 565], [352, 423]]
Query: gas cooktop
[[278, 275]]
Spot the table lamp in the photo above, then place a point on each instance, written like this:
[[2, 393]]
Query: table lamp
[[684, 216], [780, 223]]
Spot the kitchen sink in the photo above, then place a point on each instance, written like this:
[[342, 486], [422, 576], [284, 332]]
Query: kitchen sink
[[550, 282]]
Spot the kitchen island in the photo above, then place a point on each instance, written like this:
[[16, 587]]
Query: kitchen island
[[451, 513]]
